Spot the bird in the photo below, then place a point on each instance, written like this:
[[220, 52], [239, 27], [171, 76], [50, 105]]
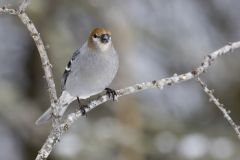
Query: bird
[[90, 71]]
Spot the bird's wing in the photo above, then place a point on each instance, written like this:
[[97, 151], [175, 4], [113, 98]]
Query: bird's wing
[[68, 69]]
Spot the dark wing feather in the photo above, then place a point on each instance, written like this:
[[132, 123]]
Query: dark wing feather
[[68, 69]]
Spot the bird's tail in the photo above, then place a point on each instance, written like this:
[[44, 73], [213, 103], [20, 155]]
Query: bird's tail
[[45, 117], [64, 101]]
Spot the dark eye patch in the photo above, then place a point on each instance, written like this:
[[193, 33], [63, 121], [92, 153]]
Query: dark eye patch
[[96, 36]]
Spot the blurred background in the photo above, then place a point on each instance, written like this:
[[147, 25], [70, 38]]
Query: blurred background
[[154, 39]]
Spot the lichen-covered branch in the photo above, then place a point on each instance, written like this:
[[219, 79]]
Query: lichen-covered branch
[[56, 134], [24, 5], [40, 46], [43, 55], [4, 10], [220, 106]]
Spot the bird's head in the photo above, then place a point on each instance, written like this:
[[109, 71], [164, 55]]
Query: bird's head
[[100, 39]]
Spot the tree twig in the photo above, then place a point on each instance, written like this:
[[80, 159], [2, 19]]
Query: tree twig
[[41, 49], [220, 106], [5, 10], [43, 55], [24, 5]]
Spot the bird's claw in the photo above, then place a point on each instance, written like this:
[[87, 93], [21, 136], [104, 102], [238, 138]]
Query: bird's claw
[[82, 108], [111, 93]]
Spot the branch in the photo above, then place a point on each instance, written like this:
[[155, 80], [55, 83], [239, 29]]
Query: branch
[[43, 55], [56, 134], [47, 67], [220, 106], [23, 6], [4, 10]]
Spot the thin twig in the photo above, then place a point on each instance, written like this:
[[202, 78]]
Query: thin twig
[[220, 106], [24, 5], [5, 10], [56, 134]]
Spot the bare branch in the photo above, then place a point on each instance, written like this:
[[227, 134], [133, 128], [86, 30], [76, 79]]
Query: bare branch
[[24, 5], [5, 10], [220, 106], [56, 133], [43, 55], [47, 67]]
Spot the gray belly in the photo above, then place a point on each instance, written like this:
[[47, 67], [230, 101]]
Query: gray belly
[[91, 75]]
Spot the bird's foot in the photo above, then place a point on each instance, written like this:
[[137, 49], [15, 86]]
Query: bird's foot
[[82, 107], [55, 116], [111, 93]]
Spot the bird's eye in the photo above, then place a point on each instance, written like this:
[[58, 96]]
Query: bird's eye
[[95, 36]]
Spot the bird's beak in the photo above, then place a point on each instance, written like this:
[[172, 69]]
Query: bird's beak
[[105, 38]]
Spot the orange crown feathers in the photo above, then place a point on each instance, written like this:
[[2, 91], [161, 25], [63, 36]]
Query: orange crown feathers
[[97, 31]]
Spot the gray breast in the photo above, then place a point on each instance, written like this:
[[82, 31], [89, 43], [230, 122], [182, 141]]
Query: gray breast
[[91, 73]]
